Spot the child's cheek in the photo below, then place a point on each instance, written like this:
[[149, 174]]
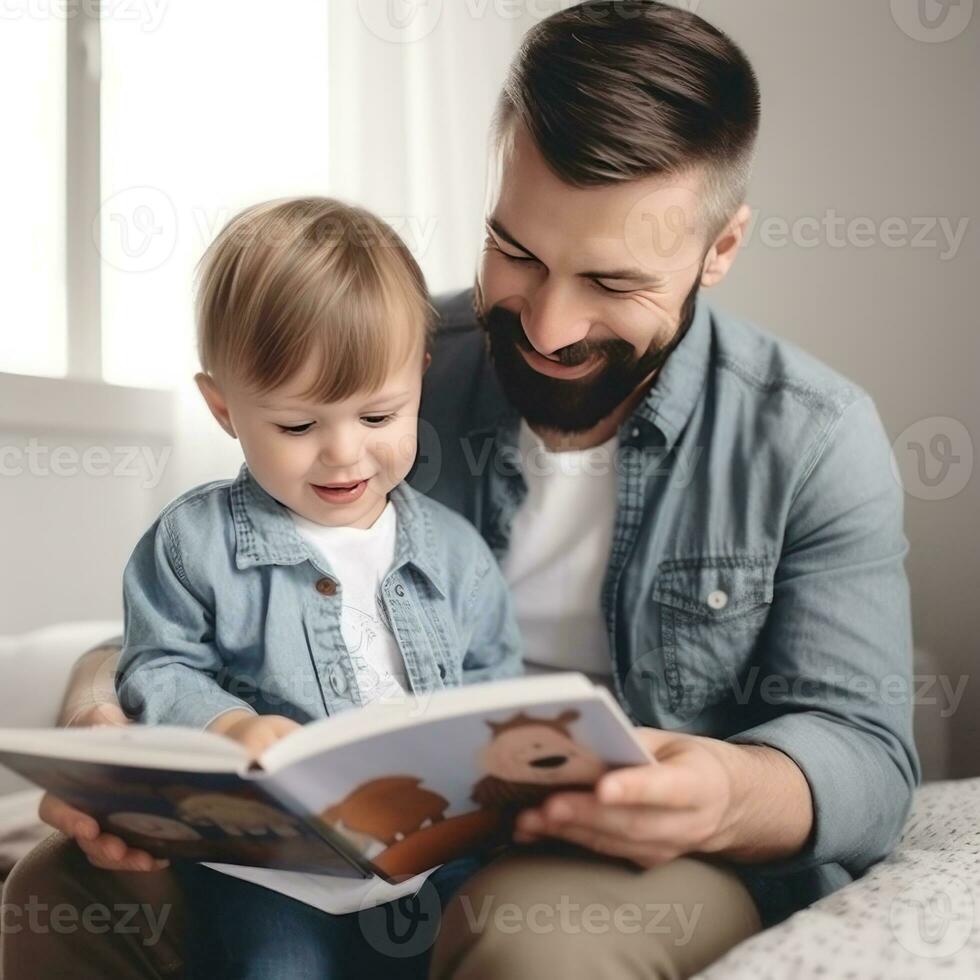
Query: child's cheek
[[396, 455]]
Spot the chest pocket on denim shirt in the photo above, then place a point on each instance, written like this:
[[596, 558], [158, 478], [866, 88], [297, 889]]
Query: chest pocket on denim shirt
[[712, 610]]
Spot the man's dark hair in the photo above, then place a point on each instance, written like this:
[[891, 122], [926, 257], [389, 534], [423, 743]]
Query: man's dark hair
[[616, 91]]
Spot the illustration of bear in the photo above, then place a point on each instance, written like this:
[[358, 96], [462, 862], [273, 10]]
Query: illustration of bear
[[386, 810], [529, 758], [526, 759]]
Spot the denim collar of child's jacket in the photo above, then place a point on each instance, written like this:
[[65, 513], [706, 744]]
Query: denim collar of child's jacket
[[266, 535]]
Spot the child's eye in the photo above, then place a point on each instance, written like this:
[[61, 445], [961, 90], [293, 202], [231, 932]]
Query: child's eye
[[295, 430], [377, 419]]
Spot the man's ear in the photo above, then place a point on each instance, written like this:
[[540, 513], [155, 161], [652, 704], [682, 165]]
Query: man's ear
[[721, 255], [216, 401]]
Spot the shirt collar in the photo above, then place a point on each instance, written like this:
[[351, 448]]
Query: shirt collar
[[671, 400], [266, 535]]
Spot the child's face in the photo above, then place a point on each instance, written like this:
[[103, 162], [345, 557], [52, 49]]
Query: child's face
[[340, 460]]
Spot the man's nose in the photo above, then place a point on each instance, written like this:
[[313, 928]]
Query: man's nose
[[553, 320]]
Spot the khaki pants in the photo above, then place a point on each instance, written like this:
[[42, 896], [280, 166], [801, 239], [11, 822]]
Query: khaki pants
[[67, 920], [541, 913], [575, 915]]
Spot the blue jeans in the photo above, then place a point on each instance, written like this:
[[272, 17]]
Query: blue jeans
[[239, 930]]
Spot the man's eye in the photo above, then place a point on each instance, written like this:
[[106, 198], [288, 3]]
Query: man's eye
[[295, 430], [491, 241], [377, 419], [609, 289]]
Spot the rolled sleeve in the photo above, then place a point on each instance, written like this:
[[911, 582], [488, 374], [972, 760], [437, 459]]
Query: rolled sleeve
[[838, 639], [169, 661]]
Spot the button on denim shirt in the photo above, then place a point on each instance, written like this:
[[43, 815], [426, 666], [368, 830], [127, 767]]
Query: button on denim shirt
[[755, 590], [226, 606]]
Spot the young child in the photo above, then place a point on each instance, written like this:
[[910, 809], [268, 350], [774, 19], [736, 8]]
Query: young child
[[316, 581]]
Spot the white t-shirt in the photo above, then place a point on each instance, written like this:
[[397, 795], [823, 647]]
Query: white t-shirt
[[559, 548], [360, 558]]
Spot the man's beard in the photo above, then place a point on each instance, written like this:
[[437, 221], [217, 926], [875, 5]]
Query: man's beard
[[571, 406]]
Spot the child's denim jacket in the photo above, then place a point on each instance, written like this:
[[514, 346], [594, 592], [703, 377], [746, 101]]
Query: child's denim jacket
[[225, 606]]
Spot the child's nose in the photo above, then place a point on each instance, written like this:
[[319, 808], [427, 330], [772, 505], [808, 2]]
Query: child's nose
[[341, 449]]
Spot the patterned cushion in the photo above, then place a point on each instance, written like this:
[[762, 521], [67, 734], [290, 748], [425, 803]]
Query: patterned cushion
[[911, 916]]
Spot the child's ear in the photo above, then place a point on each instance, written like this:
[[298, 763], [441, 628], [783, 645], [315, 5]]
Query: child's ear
[[216, 401], [426, 362]]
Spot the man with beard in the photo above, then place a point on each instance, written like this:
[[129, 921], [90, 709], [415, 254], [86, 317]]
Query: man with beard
[[687, 509]]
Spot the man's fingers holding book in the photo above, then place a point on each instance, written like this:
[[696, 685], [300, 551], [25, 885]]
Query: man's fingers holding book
[[71, 822], [103, 850], [111, 853]]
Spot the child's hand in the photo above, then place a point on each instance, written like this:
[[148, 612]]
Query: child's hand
[[255, 732]]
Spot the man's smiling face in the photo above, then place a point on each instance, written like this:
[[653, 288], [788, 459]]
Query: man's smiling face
[[584, 291]]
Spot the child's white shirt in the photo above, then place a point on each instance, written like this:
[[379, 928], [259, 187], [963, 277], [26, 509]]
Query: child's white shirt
[[360, 558]]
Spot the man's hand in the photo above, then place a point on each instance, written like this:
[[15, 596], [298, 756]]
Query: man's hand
[[97, 714], [745, 802], [255, 732], [103, 850]]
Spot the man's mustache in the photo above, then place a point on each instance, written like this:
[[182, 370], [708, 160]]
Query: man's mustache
[[506, 325]]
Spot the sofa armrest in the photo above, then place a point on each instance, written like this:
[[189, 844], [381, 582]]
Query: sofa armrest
[[35, 668]]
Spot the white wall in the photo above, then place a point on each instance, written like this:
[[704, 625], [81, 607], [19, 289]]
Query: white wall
[[83, 472]]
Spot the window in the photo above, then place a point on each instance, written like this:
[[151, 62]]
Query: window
[[224, 104], [199, 110], [33, 338]]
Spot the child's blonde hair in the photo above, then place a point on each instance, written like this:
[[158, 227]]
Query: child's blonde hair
[[301, 278]]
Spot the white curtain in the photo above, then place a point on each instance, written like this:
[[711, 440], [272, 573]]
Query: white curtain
[[412, 86]]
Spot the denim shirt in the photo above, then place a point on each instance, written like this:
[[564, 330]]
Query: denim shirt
[[226, 606], [755, 590]]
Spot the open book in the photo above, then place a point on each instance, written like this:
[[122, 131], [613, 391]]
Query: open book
[[390, 790]]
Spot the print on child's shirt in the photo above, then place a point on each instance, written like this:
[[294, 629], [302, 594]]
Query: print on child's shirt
[[372, 647]]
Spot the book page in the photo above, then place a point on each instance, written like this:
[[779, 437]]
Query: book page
[[448, 785]]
